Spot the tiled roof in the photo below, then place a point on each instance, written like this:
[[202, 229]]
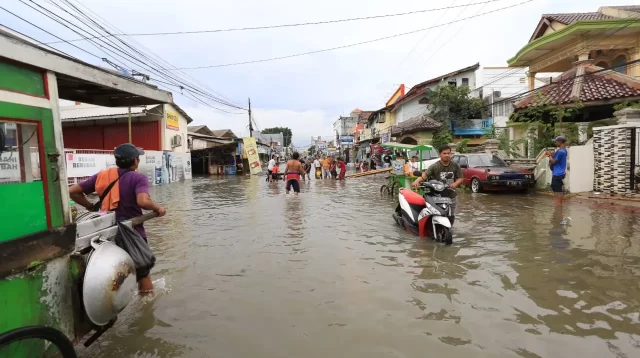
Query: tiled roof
[[570, 18], [422, 87], [363, 116], [414, 124], [585, 83]]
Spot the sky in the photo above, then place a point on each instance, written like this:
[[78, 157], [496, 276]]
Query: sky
[[305, 93]]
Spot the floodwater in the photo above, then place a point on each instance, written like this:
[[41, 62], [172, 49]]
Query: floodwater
[[245, 271]]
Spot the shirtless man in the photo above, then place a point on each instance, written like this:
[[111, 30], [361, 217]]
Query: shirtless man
[[292, 173]]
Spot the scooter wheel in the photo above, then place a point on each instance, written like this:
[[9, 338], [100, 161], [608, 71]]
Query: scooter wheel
[[448, 239]]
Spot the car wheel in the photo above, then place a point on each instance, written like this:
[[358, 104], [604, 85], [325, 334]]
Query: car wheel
[[475, 185]]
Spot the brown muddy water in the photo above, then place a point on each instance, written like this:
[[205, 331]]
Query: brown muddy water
[[245, 271]]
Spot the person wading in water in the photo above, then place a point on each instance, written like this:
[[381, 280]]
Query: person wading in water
[[127, 193], [292, 173]]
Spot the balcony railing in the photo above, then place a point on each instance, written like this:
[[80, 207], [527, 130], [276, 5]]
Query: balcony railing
[[475, 127]]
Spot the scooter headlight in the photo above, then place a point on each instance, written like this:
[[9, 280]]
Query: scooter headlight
[[438, 186]]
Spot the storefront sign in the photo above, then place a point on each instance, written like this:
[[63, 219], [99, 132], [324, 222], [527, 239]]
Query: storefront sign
[[173, 121], [385, 137], [251, 149], [346, 139], [239, 148]]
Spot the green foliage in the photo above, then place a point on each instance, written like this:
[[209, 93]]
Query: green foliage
[[449, 103], [286, 133], [312, 149], [541, 111], [441, 137], [510, 147], [627, 104], [463, 146]]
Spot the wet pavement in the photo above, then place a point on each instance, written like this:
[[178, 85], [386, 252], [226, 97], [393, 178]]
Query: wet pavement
[[245, 271]]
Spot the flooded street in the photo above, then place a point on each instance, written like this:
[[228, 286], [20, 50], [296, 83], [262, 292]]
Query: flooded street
[[245, 271]]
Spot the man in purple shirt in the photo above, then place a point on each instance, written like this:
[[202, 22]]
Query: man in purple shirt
[[134, 194]]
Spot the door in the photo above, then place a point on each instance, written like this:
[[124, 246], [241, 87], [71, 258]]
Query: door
[[464, 164]]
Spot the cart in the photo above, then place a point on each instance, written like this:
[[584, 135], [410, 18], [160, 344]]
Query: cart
[[397, 181]]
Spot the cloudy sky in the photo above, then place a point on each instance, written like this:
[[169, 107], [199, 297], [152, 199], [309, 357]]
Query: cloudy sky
[[305, 93]]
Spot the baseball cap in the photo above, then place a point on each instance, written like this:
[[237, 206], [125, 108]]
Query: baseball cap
[[127, 151], [560, 139]]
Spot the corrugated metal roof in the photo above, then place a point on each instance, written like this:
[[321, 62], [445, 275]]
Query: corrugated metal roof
[[90, 111]]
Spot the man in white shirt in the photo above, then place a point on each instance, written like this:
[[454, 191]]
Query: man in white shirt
[[317, 166], [272, 163]]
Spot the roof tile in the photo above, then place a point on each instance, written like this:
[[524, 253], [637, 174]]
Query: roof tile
[[594, 85], [570, 18], [414, 124]]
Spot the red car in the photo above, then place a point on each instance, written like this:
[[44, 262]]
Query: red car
[[489, 172]]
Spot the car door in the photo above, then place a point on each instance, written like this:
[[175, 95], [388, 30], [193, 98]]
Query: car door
[[463, 161]]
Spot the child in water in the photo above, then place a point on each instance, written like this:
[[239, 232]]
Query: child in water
[[274, 173]]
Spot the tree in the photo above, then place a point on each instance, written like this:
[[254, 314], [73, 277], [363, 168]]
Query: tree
[[312, 149], [286, 133], [453, 107]]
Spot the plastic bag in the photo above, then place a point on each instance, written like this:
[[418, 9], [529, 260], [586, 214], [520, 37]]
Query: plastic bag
[[130, 241]]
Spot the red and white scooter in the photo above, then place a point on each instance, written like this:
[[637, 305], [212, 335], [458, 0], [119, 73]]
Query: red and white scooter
[[427, 215]]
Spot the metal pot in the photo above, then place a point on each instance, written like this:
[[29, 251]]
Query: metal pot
[[109, 282]]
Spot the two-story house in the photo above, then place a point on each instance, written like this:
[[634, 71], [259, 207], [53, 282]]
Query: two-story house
[[597, 53]]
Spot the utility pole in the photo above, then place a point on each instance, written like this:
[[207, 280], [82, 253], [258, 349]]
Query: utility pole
[[130, 140], [250, 120]]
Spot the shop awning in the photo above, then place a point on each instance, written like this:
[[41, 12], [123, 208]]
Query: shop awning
[[402, 146]]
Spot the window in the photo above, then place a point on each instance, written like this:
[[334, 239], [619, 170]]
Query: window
[[452, 83], [464, 161], [465, 82], [476, 161], [19, 153], [619, 64], [424, 100], [456, 159]]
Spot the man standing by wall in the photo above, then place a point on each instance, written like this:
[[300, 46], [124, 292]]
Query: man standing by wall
[[558, 163]]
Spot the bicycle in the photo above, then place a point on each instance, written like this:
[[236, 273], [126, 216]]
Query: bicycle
[[14, 338]]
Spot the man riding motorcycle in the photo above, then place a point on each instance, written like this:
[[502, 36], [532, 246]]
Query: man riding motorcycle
[[447, 172]]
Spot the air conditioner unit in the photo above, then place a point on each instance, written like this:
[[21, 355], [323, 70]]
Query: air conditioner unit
[[497, 94], [176, 141]]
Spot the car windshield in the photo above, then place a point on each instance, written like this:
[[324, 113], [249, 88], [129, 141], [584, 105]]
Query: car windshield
[[486, 161], [426, 154]]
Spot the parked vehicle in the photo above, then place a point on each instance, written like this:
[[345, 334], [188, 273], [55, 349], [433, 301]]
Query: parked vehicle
[[426, 215], [489, 172]]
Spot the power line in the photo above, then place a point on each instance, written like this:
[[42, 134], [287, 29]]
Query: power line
[[157, 57], [353, 44], [163, 74], [290, 25], [43, 30], [170, 77]]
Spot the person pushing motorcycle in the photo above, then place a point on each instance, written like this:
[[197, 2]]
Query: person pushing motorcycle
[[447, 172]]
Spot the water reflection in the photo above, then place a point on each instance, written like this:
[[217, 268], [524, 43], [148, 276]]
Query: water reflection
[[329, 274]]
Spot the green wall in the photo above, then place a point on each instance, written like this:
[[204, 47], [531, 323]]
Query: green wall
[[20, 79], [44, 116], [22, 209]]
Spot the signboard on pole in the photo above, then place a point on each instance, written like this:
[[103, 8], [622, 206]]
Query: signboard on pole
[[251, 149], [346, 139]]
